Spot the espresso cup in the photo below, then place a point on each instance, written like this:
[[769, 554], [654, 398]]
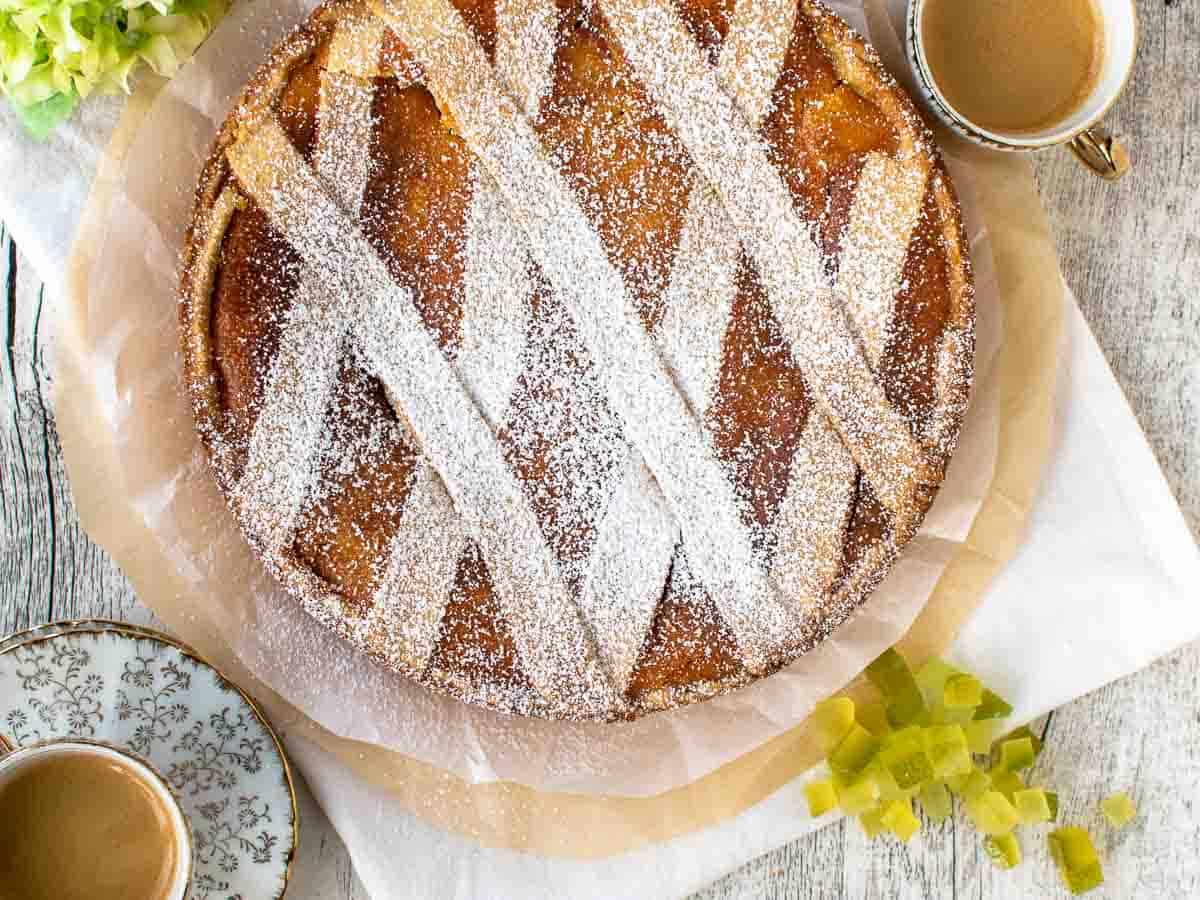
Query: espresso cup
[[1080, 131], [177, 830]]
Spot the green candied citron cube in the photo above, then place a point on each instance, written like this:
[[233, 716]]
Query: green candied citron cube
[[1118, 809], [992, 813], [980, 735], [821, 796], [855, 795], [949, 761], [1003, 850], [958, 783], [894, 679], [854, 752], [872, 822], [873, 717], [935, 800], [888, 789], [907, 734], [1024, 732], [948, 751], [904, 757], [931, 678], [992, 706], [1052, 802], [1007, 783], [952, 715], [1076, 858], [1016, 754], [1032, 806], [971, 785], [962, 690], [899, 819], [951, 735], [978, 783], [833, 719]]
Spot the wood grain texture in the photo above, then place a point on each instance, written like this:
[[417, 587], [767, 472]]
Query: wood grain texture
[[1131, 250], [50, 569], [1132, 254]]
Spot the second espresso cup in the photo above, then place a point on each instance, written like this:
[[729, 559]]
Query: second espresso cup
[[172, 827], [1080, 130]]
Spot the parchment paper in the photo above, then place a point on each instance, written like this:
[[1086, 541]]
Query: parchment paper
[[144, 491]]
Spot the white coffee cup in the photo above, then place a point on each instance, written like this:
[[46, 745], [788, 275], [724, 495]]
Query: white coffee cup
[[1080, 131], [17, 760]]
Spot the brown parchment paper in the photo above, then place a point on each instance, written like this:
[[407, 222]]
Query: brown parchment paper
[[92, 412]]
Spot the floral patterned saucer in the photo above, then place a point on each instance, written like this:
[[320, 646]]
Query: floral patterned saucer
[[139, 689]]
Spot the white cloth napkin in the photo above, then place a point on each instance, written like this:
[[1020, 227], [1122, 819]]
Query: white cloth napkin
[[1105, 516], [44, 186]]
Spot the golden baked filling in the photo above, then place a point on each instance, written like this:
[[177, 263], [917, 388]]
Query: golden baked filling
[[578, 359]]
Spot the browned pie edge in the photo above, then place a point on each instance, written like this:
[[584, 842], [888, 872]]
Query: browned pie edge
[[858, 64]]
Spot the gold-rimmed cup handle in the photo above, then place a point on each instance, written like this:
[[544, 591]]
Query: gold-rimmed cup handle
[[1103, 154]]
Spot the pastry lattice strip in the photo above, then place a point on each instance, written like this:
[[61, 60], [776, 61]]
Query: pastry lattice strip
[[623, 577], [420, 574], [639, 388], [816, 505], [395, 344], [698, 301], [284, 447], [817, 500], [734, 160]]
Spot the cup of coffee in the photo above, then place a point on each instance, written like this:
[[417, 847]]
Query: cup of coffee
[[81, 820], [1027, 74]]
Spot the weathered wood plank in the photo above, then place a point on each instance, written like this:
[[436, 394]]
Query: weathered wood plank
[[27, 538], [1131, 251], [48, 567]]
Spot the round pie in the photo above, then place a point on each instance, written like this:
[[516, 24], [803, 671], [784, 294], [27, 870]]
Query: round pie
[[577, 359]]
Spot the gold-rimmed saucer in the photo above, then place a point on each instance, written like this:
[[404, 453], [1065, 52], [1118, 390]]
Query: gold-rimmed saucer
[[137, 688]]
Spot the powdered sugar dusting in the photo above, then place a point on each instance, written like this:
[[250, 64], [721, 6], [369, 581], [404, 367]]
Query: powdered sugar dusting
[[497, 291], [887, 205], [355, 46], [283, 452], [699, 296], [407, 614], [655, 416], [820, 492], [737, 164], [566, 429], [387, 327]]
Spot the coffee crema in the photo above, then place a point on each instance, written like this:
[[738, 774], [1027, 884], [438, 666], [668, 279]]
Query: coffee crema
[[1014, 66], [77, 826]]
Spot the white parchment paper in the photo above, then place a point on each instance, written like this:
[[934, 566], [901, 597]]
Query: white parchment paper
[[135, 360]]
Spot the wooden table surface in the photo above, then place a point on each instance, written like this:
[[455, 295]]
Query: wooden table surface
[[1132, 254]]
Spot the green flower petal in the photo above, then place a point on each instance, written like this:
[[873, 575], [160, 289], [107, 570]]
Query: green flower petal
[[56, 52]]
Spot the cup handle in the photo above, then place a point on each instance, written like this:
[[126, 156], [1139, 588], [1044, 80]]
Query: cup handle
[[1101, 153]]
